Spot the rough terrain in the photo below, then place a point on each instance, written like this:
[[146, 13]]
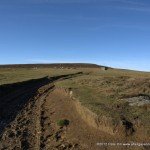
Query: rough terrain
[[29, 113]]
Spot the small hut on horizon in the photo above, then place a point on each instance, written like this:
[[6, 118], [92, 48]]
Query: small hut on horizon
[[104, 68]]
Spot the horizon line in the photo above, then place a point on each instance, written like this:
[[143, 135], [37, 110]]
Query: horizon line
[[109, 66]]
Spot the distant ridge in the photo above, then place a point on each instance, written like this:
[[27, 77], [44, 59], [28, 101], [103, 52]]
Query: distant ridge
[[53, 65]]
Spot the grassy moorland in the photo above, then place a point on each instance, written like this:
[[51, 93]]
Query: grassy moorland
[[12, 75], [100, 91], [103, 93]]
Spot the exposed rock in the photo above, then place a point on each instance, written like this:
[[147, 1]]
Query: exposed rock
[[138, 100]]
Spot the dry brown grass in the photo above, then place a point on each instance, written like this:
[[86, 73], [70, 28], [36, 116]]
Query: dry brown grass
[[102, 92]]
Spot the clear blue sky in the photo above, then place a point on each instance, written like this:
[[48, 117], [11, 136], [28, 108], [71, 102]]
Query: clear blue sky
[[107, 32]]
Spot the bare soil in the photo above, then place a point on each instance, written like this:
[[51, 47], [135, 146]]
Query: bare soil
[[29, 121]]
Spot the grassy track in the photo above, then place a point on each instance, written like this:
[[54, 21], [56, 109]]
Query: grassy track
[[100, 91]]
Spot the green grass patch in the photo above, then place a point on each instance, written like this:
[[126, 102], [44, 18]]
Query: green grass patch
[[63, 122]]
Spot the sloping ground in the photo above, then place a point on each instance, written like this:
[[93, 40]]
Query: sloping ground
[[103, 94], [13, 97], [34, 124], [81, 132], [24, 131], [58, 65]]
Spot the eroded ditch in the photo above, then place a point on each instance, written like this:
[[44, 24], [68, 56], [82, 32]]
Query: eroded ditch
[[26, 123]]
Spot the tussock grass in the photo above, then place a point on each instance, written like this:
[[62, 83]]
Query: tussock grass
[[63, 122], [100, 91], [103, 93]]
